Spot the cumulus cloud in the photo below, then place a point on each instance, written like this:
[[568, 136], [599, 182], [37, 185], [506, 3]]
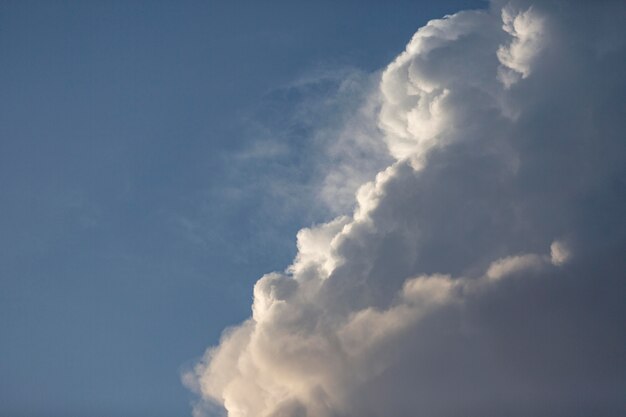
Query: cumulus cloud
[[528, 37], [482, 272]]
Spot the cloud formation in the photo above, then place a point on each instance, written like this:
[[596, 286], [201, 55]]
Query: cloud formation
[[482, 272]]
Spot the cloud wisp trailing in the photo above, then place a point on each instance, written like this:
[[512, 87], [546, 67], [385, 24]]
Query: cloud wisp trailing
[[482, 273]]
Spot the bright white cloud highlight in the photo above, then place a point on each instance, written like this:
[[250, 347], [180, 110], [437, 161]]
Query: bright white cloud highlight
[[528, 37]]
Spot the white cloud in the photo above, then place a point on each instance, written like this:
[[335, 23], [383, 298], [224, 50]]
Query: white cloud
[[445, 292], [528, 37], [513, 264], [559, 254]]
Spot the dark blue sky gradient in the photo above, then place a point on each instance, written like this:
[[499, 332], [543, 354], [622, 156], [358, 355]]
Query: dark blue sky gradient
[[119, 261]]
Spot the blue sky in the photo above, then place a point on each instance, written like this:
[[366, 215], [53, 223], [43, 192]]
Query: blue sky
[[123, 253]]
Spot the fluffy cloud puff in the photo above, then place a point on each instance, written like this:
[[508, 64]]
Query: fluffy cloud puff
[[483, 272]]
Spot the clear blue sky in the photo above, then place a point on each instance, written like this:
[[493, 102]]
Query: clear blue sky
[[120, 258]]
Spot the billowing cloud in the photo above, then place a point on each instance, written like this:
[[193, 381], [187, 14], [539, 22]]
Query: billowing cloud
[[483, 272]]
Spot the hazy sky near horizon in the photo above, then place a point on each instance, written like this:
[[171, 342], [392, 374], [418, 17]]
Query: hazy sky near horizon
[[137, 207]]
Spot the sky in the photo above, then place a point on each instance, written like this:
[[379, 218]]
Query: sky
[[312, 209], [156, 159]]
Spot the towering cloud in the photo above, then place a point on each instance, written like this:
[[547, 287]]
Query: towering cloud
[[483, 272]]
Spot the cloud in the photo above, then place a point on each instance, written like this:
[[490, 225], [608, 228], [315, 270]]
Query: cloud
[[528, 38], [482, 272], [310, 144]]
